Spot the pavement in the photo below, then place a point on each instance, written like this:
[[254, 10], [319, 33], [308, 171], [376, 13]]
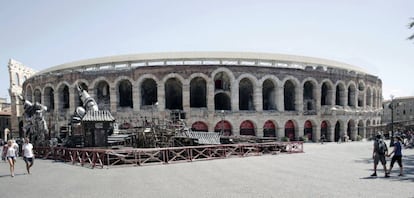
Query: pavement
[[324, 170]]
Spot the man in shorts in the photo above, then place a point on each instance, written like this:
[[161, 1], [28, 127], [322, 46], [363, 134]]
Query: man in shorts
[[378, 154]]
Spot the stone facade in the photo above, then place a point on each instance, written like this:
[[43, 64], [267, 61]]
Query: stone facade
[[235, 93], [403, 113], [18, 73]]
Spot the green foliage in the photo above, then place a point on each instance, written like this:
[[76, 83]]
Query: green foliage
[[359, 138], [285, 139], [304, 138]]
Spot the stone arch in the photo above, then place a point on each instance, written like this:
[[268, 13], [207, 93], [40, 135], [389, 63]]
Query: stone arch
[[361, 129], [37, 95], [173, 93], [148, 91], [339, 127], [49, 97], [269, 89], [361, 93], [198, 92], [325, 130], [102, 92], [340, 96], [308, 129], [224, 127], [247, 127], [29, 93], [352, 93], [290, 128], [63, 96], [199, 126], [350, 130], [290, 92], [368, 97], [327, 93], [309, 94], [269, 129], [246, 94], [124, 92], [223, 79], [17, 78]]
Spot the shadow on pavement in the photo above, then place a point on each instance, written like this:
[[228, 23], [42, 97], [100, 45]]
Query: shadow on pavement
[[408, 165]]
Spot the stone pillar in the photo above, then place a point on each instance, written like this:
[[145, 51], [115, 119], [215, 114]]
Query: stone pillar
[[354, 132], [299, 99], [280, 103], [331, 97], [113, 97], [316, 133], [72, 99], [258, 99], [280, 131], [235, 97], [317, 98], [161, 96], [210, 95], [136, 99], [331, 133], [299, 131], [186, 97]]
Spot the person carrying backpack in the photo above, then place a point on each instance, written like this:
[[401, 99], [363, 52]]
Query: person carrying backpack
[[378, 154]]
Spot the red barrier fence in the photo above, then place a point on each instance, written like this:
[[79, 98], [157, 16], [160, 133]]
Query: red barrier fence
[[94, 157]]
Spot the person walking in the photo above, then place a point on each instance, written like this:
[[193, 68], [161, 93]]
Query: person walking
[[397, 157], [379, 152], [28, 155], [11, 156]]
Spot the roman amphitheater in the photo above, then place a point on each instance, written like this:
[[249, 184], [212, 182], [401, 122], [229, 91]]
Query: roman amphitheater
[[253, 94]]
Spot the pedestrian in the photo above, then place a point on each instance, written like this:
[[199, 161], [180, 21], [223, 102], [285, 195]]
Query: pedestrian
[[397, 157], [28, 155], [379, 152], [11, 156], [322, 138]]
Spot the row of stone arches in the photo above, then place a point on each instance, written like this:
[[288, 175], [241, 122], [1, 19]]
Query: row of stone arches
[[332, 131], [249, 93]]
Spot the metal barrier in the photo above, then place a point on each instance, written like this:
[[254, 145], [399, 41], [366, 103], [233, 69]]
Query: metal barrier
[[94, 157]]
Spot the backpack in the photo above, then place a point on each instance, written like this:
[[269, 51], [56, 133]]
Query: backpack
[[382, 147]]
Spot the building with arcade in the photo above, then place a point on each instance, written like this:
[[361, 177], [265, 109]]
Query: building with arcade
[[234, 93]]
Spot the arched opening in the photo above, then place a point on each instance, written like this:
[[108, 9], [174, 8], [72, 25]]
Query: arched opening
[[339, 95], [350, 128], [199, 126], [308, 96], [290, 130], [222, 101], [173, 94], [324, 131], [269, 129], [351, 95], [223, 127], [49, 99], [125, 94], [246, 95], [269, 95], [16, 78], [148, 92], [326, 94], [368, 97], [361, 129], [289, 96], [103, 98], [308, 130], [64, 97], [247, 128], [29, 94], [37, 96], [198, 92], [337, 131]]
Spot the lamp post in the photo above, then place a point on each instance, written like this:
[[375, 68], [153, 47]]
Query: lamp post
[[392, 106]]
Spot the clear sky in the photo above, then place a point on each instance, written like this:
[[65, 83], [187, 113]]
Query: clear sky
[[366, 33]]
